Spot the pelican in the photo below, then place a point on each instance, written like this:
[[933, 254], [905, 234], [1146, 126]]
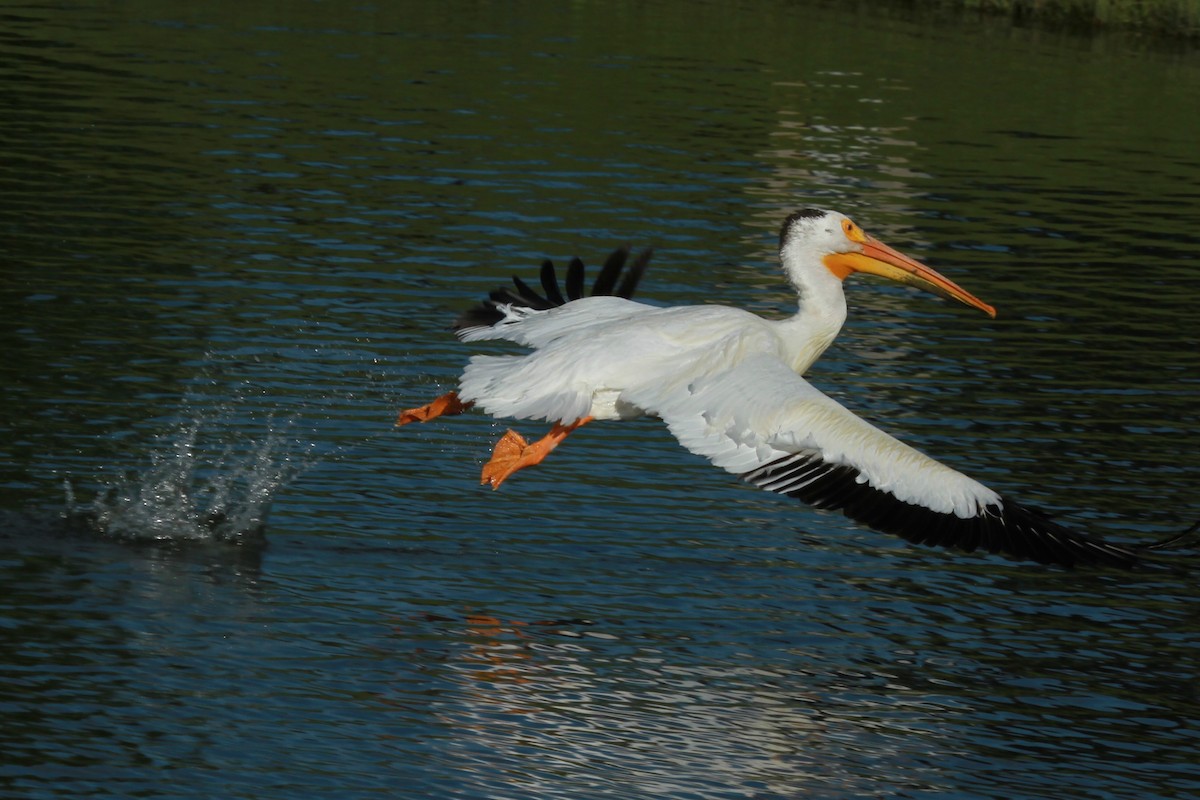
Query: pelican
[[729, 386]]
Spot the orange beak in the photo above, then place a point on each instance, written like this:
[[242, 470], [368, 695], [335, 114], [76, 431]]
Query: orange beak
[[879, 259]]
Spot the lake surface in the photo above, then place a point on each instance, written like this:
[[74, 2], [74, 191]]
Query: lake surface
[[233, 237]]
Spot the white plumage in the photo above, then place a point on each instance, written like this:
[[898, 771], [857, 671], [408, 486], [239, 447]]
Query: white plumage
[[729, 386], [759, 412], [592, 355]]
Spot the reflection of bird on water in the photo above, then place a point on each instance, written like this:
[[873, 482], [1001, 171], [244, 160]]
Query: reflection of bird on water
[[728, 385]]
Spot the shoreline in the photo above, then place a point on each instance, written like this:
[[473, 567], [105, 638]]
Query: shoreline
[[1165, 19]]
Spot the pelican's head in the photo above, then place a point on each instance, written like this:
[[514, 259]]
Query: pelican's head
[[815, 236]]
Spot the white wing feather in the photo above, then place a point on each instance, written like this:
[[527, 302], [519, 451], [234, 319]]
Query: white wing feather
[[593, 354], [760, 410]]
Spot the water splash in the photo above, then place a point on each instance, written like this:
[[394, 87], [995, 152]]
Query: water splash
[[193, 491]]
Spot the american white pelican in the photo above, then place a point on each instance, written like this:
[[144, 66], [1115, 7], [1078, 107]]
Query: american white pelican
[[728, 385]]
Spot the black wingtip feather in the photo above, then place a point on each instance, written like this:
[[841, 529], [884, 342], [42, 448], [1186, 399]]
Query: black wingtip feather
[[634, 274], [607, 279], [575, 279], [1009, 528], [613, 279], [1186, 538], [550, 284], [528, 296]]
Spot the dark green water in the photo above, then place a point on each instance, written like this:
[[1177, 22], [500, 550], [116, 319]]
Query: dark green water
[[232, 237]]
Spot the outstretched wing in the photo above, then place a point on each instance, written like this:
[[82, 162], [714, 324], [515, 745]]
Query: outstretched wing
[[763, 422], [610, 281]]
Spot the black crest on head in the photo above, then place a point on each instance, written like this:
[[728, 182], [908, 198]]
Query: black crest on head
[[795, 216]]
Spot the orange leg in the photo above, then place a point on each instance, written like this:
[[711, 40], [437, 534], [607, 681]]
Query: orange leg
[[445, 406], [512, 452]]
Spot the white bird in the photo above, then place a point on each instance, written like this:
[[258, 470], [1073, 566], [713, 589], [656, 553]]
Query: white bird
[[728, 385]]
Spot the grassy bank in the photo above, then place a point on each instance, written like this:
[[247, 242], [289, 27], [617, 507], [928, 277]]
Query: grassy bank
[[1168, 18]]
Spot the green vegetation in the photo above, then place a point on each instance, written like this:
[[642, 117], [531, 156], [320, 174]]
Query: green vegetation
[[1171, 18]]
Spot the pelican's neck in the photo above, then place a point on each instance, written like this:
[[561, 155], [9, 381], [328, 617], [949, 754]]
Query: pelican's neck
[[819, 318]]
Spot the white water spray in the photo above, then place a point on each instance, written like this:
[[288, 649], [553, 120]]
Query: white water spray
[[194, 493]]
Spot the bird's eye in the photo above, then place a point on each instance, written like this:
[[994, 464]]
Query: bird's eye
[[852, 231]]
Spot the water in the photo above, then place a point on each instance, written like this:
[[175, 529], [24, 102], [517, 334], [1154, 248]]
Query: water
[[182, 494], [232, 237]]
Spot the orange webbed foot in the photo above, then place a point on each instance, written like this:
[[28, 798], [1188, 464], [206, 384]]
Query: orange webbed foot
[[513, 452], [507, 457], [447, 405]]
